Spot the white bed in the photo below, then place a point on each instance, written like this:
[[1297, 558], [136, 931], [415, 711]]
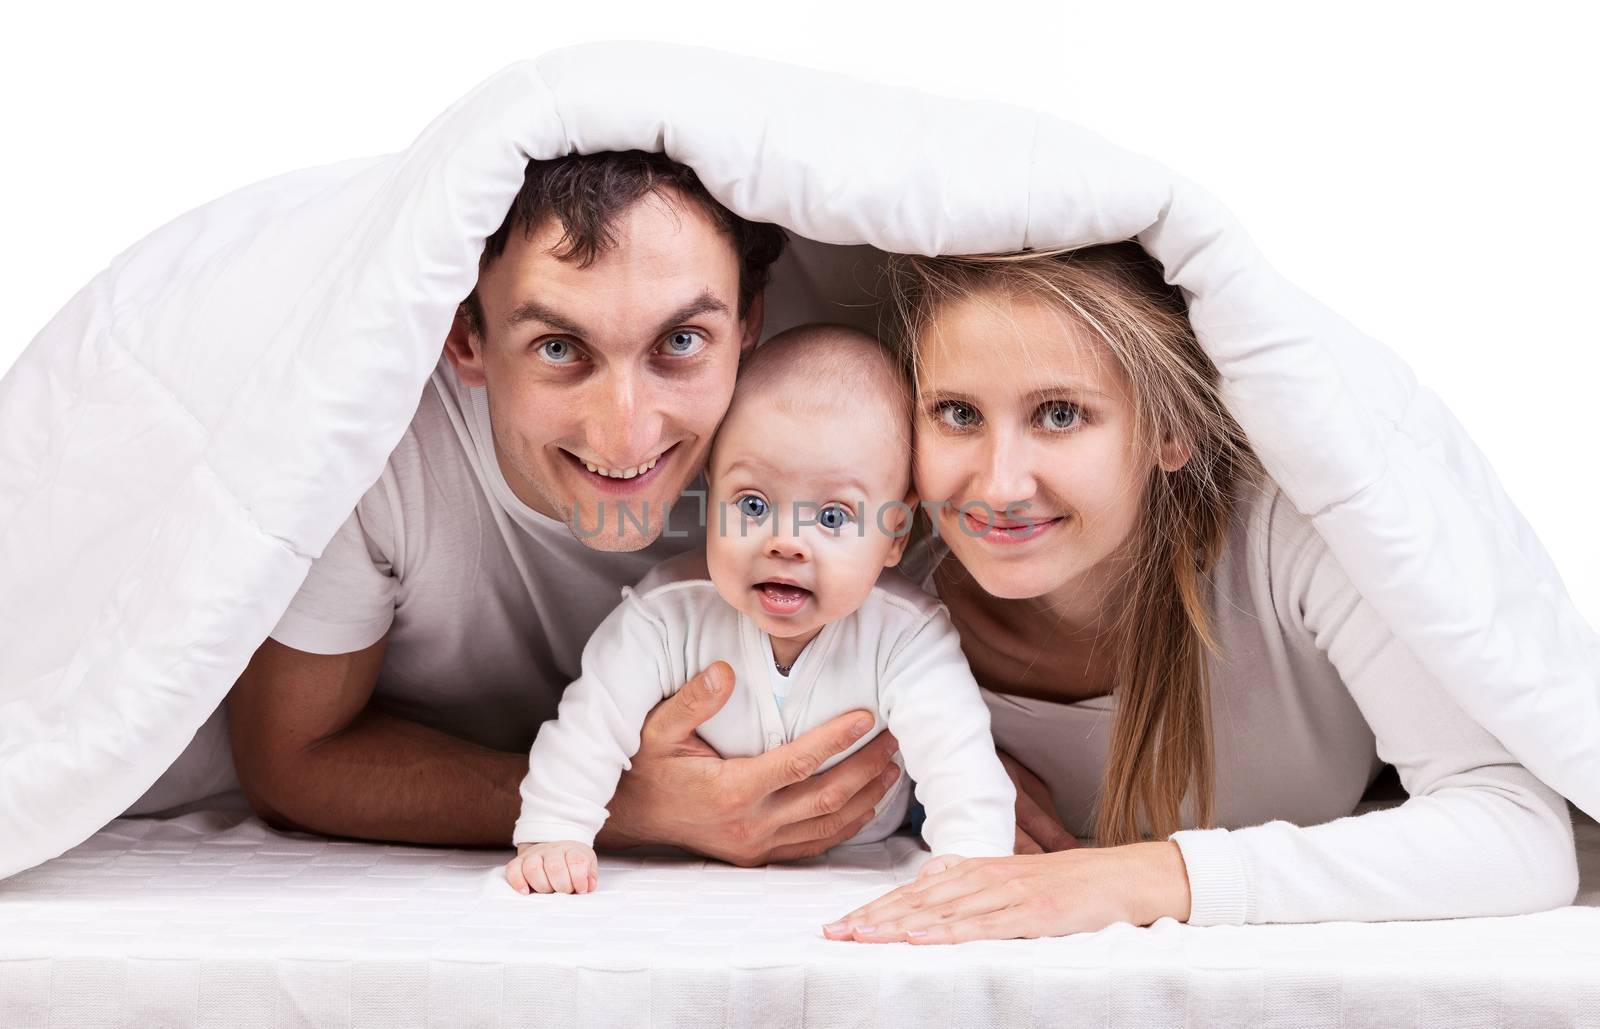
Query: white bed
[[212, 919]]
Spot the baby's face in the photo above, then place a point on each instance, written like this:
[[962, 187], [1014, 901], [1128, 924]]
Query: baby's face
[[803, 513]]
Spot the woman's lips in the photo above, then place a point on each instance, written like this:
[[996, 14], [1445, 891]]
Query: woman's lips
[[782, 599], [1007, 533]]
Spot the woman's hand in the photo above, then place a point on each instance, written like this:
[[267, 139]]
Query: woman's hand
[[1027, 896], [1038, 829]]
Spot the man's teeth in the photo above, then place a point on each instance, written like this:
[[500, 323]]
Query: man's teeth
[[624, 473]]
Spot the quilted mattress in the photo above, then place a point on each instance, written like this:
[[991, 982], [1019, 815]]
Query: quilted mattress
[[212, 919]]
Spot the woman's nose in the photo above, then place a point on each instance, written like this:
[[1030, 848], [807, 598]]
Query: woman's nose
[[1008, 475]]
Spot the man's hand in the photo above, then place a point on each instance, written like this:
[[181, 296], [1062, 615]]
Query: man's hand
[[1038, 830], [746, 811]]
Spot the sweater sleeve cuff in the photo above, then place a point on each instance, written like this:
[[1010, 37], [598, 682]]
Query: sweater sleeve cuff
[[529, 831], [1219, 879], [972, 848]]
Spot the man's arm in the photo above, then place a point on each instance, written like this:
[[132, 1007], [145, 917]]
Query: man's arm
[[313, 754]]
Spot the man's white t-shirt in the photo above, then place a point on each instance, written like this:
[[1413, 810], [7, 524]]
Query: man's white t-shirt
[[488, 604]]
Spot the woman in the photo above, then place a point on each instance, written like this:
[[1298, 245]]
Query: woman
[[1169, 650]]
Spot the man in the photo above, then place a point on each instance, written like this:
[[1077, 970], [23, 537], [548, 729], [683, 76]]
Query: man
[[582, 382]]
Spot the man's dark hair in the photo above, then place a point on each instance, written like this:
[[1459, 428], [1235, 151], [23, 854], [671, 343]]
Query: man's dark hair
[[587, 192]]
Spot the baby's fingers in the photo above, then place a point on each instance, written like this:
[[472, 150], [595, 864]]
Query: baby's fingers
[[580, 866], [555, 868], [515, 877], [533, 869]]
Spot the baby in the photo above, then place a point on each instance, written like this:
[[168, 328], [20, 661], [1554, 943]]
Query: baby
[[809, 501]]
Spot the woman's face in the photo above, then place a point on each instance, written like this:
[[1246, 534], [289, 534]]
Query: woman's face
[[1025, 451]]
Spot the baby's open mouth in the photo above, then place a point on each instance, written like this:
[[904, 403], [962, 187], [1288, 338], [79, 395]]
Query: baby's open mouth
[[782, 598]]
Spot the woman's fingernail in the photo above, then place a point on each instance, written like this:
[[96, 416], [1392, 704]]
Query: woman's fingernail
[[915, 933], [865, 928], [835, 927], [860, 726], [891, 775]]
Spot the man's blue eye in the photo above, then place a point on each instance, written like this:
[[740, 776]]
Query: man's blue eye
[[752, 506], [557, 351], [833, 517], [684, 341]]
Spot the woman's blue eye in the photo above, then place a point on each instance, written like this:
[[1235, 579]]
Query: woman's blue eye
[[1058, 414], [955, 414], [752, 506], [684, 342], [557, 351], [833, 517]]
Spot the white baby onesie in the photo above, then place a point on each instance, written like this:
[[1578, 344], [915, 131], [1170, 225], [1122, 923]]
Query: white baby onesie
[[898, 656]]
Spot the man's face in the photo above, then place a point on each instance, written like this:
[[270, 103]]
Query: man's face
[[606, 383]]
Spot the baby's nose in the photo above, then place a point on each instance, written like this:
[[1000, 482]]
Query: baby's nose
[[789, 547]]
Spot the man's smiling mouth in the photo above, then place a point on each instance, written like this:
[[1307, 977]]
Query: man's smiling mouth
[[621, 479]]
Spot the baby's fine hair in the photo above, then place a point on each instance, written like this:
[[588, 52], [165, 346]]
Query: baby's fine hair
[[824, 367]]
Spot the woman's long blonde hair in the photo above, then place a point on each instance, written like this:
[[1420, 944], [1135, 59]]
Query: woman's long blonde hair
[[1160, 748]]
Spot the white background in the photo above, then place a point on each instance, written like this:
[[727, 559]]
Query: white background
[[1429, 170]]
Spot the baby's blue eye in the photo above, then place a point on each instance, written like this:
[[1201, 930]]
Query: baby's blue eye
[[752, 506], [833, 517]]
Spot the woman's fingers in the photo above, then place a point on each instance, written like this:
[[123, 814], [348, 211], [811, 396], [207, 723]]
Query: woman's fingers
[[1003, 924], [1041, 826], [939, 888], [1036, 818]]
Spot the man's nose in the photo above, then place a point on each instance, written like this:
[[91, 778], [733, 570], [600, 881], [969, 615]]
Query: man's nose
[[623, 425]]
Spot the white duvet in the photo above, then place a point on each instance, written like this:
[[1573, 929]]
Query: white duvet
[[184, 437]]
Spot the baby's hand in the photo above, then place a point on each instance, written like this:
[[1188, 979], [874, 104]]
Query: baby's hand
[[935, 865], [564, 866]]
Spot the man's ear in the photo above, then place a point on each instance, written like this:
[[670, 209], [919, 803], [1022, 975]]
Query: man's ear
[[464, 347], [904, 518], [751, 323], [1175, 453]]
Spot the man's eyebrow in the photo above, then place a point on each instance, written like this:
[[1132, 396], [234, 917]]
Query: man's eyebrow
[[533, 311], [706, 303]]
